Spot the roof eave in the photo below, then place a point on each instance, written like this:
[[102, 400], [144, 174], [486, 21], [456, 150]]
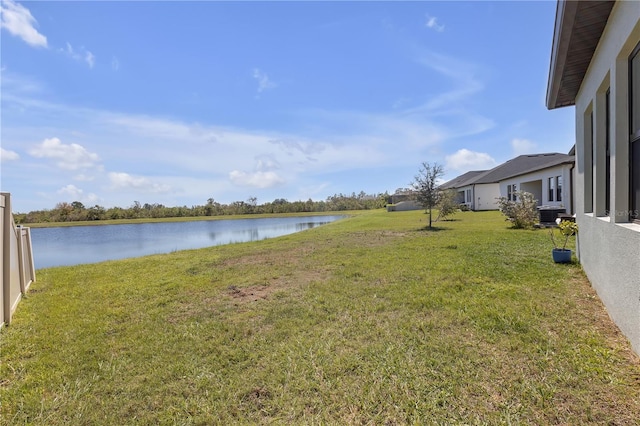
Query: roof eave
[[565, 17], [577, 31]]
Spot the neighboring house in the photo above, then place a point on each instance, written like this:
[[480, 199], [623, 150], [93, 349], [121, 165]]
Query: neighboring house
[[546, 176], [475, 195], [595, 65]]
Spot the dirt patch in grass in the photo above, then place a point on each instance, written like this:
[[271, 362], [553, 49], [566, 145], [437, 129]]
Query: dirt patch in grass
[[250, 294]]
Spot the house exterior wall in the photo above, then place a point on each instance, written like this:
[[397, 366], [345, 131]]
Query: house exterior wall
[[485, 196], [462, 193], [608, 245], [541, 192]]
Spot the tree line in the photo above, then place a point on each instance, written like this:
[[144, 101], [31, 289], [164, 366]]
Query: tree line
[[77, 211]]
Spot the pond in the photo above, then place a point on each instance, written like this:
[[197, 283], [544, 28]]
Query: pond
[[74, 245]]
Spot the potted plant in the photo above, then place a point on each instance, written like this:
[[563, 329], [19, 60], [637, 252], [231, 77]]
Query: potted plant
[[567, 228]]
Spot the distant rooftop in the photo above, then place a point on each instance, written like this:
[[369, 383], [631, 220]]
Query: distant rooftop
[[463, 180], [520, 165], [524, 164]]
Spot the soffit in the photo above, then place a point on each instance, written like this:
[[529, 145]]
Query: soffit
[[578, 28]]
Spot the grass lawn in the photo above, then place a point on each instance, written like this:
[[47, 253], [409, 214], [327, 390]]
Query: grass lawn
[[369, 320]]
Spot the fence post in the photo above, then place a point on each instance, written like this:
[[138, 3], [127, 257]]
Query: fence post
[[2, 259], [31, 262], [23, 278], [6, 259]]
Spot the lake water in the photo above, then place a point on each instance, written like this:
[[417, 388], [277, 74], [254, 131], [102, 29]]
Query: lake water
[[75, 245]]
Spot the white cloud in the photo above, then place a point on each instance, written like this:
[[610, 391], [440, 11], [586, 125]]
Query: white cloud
[[83, 178], [465, 160], [115, 64], [257, 179], [120, 181], [69, 157], [432, 22], [522, 146], [76, 194], [462, 74], [6, 155], [264, 82], [90, 59], [81, 54], [18, 20], [71, 190]]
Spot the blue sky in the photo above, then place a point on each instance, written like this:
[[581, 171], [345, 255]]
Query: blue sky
[[177, 102]]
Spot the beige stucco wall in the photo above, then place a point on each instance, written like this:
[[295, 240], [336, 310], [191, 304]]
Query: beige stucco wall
[[543, 176], [609, 247], [486, 196]]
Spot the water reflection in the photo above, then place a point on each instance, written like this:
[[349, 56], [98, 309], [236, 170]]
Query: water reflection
[[88, 244]]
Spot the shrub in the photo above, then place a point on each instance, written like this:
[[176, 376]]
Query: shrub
[[522, 213], [447, 204]]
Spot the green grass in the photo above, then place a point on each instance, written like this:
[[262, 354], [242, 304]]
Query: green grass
[[369, 320]]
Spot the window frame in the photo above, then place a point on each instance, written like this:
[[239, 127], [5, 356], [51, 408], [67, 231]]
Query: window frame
[[607, 149], [634, 143]]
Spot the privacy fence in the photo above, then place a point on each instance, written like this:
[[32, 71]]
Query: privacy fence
[[18, 271]]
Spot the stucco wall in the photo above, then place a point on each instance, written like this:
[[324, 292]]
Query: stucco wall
[[609, 247], [609, 254], [542, 194], [486, 195]]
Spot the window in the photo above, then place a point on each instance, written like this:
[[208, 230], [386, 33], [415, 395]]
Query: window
[[468, 196], [555, 189], [588, 163], [511, 192], [634, 140], [558, 188]]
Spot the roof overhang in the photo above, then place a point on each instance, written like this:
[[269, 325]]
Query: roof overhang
[[578, 28]]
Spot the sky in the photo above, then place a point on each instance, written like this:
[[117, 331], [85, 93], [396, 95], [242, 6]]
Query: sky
[[109, 103]]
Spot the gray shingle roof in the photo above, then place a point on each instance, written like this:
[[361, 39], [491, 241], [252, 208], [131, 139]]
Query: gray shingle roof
[[520, 165], [463, 180], [524, 164]]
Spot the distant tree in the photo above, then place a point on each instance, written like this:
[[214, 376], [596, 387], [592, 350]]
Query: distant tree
[[212, 207], [77, 205], [95, 213], [62, 212], [425, 186]]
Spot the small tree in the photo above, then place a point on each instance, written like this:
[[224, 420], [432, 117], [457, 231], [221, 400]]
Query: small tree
[[523, 212], [447, 204], [424, 184]]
